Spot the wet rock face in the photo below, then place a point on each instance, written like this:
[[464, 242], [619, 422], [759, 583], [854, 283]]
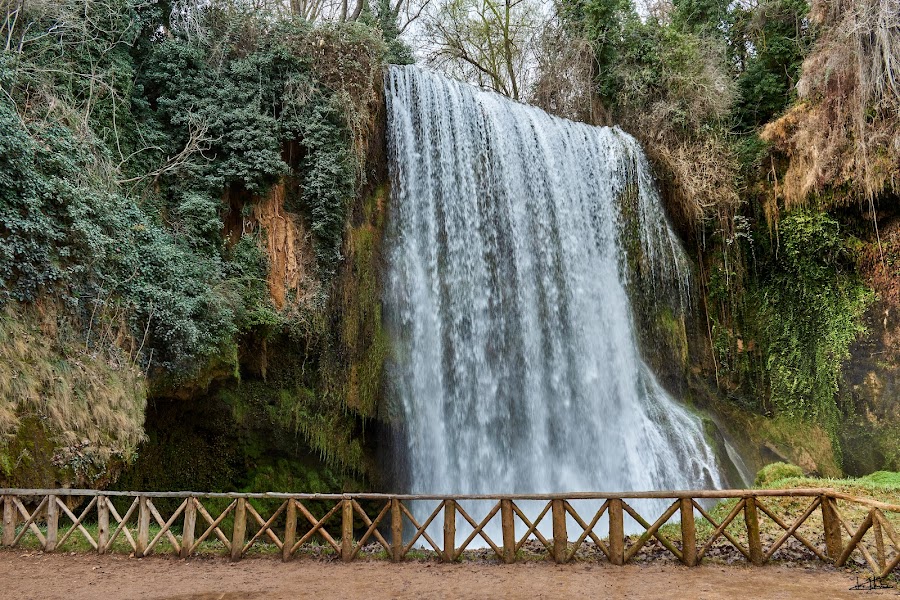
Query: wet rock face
[[870, 393]]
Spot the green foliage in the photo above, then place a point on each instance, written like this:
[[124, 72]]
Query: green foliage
[[132, 159], [26, 258], [751, 151], [603, 22], [230, 101], [397, 51], [809, 307], [653, 64], [77, 63], [65, 233], [328, 180], [769, 43], [775, 472], [200, 118], [246, 107], [707, 17], [245, 271]]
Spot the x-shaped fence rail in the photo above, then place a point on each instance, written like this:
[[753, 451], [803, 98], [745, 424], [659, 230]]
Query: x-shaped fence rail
[[831, 525]]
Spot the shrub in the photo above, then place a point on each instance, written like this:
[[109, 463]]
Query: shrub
[[774, 472]]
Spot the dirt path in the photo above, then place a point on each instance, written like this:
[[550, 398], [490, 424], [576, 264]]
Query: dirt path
[[78, 577]]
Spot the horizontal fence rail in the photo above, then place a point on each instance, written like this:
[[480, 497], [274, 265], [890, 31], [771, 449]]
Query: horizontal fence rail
[[824, 524]]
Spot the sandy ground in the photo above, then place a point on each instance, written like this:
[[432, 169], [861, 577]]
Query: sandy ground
[[77, 577]]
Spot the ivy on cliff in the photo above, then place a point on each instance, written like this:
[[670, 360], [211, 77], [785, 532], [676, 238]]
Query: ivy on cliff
[[243, 107], [132, 157], [112, 184], [807, 311]]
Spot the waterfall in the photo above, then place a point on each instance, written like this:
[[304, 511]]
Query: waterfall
[[516, 364]]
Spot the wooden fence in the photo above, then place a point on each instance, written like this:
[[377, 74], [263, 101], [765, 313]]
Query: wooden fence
[[841, 526]]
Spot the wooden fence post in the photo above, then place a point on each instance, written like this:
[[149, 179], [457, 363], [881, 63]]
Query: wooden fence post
[[560, 535], [834, 543], [189, 527], [396, 531], [143, 532], [239, 533], [102, 524], [508, 525], [751, 518], [9, 521], [52, 524], [290, 530], [880, 557], [347, 530], [449, 530], [616, 532], [688, 533]]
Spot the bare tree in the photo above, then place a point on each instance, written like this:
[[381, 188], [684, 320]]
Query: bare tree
[[187, 15], [488, 42], [564, 78]]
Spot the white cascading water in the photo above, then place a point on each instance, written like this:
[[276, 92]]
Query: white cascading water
[[516, 360]]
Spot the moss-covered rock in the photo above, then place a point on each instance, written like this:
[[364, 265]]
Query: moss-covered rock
[[870, 387], [759, 439], [227, 442], [354, 361], [774, 472]]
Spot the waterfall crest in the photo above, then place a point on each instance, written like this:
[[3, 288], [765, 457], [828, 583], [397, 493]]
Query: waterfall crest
[[517, 367]]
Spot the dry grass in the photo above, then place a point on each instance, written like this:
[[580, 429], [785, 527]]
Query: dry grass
[[91, 403], [680, 123], [698, 176], [843, 138]]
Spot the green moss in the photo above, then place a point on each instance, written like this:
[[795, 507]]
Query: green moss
[[760, 440], [799, 316], [292, 474], [246, 438], [674, 332], [869, 445], [219, 366], [27, 458], [354, 364], [771, 473]]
